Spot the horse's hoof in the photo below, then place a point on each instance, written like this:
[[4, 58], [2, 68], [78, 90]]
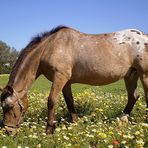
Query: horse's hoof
[[73, 118], [123, 119], [50, 129]]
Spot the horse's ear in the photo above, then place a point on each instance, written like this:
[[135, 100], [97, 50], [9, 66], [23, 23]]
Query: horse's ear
[[10, 89]]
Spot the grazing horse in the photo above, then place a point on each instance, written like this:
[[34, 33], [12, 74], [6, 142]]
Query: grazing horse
[[65, 56]]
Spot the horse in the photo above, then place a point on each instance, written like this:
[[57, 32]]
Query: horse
[[66, 56]]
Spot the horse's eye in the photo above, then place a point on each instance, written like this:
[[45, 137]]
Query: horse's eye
[[6, 105]]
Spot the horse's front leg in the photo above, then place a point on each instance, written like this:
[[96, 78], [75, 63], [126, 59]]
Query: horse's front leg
[[57, 86]]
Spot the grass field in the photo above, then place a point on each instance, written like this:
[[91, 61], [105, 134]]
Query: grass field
[[97, 126]]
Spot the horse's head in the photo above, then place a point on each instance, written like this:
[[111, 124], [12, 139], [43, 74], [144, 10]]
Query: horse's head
[[14, 107]]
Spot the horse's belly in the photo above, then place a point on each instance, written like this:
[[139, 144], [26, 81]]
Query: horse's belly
[[96, 80], [100, 75]]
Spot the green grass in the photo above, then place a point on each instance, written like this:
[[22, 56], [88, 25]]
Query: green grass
[[97, 127], [3, 79]]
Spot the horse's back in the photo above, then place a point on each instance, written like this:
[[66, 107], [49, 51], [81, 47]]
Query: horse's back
[[95, 59]]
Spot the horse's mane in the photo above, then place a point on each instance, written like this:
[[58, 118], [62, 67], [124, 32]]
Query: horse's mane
[[37, 39]]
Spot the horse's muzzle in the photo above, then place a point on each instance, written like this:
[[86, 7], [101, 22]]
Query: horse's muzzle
[[11, 130], [8, 129]]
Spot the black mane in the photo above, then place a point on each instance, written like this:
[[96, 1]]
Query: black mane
[[40, 36]]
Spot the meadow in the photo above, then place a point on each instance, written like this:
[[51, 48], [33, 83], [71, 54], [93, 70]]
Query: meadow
[[97, 126]]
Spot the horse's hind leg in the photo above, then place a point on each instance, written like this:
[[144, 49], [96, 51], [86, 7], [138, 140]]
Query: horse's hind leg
[[144, 80], [70, 102], [131, 85], [57, 86]]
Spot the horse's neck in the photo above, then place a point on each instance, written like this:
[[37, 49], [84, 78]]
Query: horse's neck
[[25, 71]]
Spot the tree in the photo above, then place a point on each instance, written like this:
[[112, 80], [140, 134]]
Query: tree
[[8, 56]]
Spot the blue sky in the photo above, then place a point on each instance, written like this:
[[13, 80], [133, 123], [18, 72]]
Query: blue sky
[[22, 19]]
